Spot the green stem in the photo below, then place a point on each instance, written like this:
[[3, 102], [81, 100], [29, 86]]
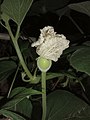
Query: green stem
[[14, 40], [43, 95], [73, 21], [17, 33], [12, 82], [22, 60]]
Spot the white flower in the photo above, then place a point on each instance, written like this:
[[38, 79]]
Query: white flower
[[50, 45]]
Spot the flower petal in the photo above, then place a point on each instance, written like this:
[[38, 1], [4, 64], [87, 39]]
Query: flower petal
[[50, 45]]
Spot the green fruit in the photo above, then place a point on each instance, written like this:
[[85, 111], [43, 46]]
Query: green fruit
[[44, 64]]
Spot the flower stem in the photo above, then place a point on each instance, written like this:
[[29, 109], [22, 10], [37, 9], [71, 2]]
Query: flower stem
[[43, 95]]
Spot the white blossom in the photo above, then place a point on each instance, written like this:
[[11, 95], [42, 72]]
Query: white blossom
[[50, 45]]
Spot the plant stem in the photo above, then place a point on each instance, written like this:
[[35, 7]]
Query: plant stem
[[13, 82], [73, 21], [15, 42], [22, 60], [43, 95]]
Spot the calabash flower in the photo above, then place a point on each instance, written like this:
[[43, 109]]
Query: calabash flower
[[50, 45]]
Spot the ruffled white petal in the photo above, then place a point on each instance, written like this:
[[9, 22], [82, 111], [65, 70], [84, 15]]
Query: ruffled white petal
[[50, 45]]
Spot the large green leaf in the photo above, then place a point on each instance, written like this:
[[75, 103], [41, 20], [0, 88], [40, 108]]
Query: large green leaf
[[24, 107], [6, 68], [16, 9], [11, 115], [37, 8], [83, 7], [80, 60], [74, 48], [23, 92], [55, 4], [63, 105], [16, 91], [43, 6], [18, 94]]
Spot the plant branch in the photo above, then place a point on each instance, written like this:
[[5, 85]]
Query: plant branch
[[73, 21], [17, 33], [22, 60], [2, 24], [13, 82]]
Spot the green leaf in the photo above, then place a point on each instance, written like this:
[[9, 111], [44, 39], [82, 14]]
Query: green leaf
[[6, 69], [5, 17], [63, 105], [53, 75], [11, 115], [16, 91], [80, 60], [24, 107], [23, 92], [37, 8], [16, 9], [55, 4], [83, 7], [17, 96], [61, 74], [74, 48]]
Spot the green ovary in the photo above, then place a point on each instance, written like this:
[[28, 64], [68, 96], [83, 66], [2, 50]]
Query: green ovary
[[44, 64]]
